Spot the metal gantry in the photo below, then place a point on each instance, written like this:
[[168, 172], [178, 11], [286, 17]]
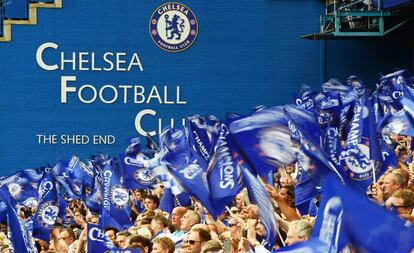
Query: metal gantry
[[362, 18]]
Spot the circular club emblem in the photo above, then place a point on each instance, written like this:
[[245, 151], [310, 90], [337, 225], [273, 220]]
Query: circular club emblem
[[173, 27], [144, 176], [119, 196], [357, 165], [47, 214], [15, 189]]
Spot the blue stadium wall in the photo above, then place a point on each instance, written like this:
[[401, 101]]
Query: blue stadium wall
[[247, 53], [368, 57]]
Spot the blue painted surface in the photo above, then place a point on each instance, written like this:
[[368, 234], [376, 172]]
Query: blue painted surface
[[368, 57], [16, 9], [247, 53]]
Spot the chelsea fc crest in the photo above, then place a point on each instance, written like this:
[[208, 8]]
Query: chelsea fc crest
[[119, 196], [47, 214], [357, 163], [173, 27]]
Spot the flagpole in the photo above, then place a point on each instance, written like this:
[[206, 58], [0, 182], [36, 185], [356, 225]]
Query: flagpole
[[374, 177], [280, 237]]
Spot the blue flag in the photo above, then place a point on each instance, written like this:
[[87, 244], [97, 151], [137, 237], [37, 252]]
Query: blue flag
[[203, 132], [361, 157], [187, 165], [225, 178], [3, 211], [169, 201], [258, 195], [136, 175], [98, 242], [319, 163], [48, 208], [305, 192], [20, 240], [306, 100], [63, 204], [263, 139], [92, 198], [73, 175], [23, 186], [116, 204], [400, 123], [346, 216]]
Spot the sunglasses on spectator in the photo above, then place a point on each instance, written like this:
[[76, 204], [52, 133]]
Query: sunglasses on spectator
[[393, 207], [191, 242]]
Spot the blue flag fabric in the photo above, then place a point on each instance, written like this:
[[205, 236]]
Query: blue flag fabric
[[136, 175], [98, 242], [258, 195], [361, 157], [92, 194], [23, 185], [116, 203], [20, 240], [306, 99], [134, 146], [263, 139], [169, 201], [73, 175], [346, 216], [400, 123], [225, 178], [187, 166], [62, 211], [305, 191], [203, 132], [3, 211], [48, 208], [408, 106], [311, 246], [320, 165]]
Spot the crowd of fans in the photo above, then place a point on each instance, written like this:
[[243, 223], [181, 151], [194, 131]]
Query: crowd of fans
[[239, 229]]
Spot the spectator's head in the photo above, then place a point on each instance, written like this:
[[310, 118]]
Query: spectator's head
[[240, 200], [236, 228], [261, 230], [111, 233], [140, 194], [77, 217], [158, 223], [287, 194], [41, 246], [189, 219], [403, 201], [290, 169], [121, 238], [298, 231], [163, 245], [286, 181], [252, 212], [211, 246], [5, 249], [139, 240], [144, 219], [200, 226], [176, 216], [151, 202], [196, 240], [405, 175], [392, 182], [67, 236]]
